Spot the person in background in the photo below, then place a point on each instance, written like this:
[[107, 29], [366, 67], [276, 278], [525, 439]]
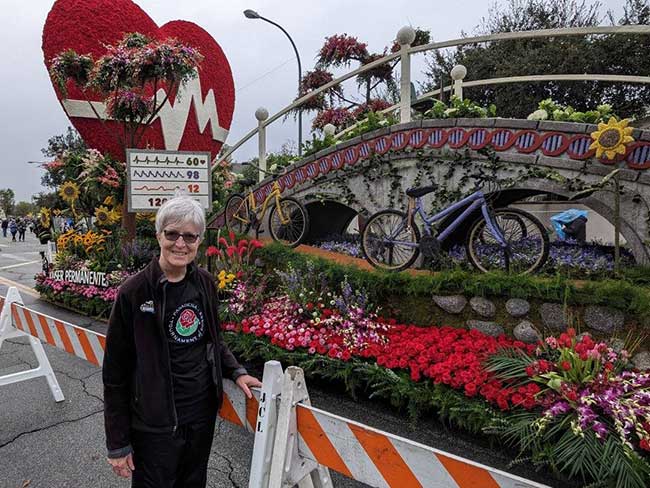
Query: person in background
[[164, 361], [22, 227], [13, 229], [5, 224]]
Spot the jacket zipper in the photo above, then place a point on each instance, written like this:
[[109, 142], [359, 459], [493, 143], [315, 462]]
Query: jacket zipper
[[169, 361]]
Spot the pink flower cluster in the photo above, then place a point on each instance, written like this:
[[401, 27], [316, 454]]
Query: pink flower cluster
[[339, 117], [110, 178], [339, 49], [88, 291], [283, 322]]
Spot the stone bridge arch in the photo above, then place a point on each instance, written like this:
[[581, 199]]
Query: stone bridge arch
[[335, 182]]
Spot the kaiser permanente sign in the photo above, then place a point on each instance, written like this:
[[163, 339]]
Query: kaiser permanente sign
[[81, 277]]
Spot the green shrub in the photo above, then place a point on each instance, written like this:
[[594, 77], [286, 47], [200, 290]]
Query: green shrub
[[624, 295]]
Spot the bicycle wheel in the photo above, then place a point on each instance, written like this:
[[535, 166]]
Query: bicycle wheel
[[487, 237], [237, 215], [289, 223], [526, 237], [388, 243]]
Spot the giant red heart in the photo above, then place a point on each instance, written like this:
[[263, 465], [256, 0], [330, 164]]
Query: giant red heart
[[191, 122]]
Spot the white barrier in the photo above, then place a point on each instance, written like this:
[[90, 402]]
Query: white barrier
[[8, 331], [295, 443]]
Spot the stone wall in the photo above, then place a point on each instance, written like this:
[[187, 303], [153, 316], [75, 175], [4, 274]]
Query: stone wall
[[529, 321]]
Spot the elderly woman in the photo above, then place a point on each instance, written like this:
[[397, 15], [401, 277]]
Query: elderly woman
[[164, 361]]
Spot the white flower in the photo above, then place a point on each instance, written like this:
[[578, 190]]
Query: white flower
[[450, 111], [273, 167], [540, 114], [300, 310]]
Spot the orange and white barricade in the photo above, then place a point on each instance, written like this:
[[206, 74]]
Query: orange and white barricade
[[295, 443], [309, 440]]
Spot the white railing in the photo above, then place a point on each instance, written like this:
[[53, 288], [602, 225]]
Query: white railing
[[405, 37]]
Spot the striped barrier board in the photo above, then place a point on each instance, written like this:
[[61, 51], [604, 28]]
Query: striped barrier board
[[80, 342], [237, 408], [380, 459], [376, 458]]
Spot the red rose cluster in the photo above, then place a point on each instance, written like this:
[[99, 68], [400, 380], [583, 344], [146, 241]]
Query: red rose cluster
[[455, 357]]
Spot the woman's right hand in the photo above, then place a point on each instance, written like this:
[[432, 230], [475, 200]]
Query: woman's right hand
[[122, 466]]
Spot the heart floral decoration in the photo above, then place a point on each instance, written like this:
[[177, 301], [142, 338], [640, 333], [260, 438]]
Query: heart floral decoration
[[197, 119]]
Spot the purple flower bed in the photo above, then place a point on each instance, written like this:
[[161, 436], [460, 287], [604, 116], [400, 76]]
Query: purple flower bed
[[342, 244], [585, 260]]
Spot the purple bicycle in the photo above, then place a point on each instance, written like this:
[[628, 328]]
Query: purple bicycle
[[506, 239]]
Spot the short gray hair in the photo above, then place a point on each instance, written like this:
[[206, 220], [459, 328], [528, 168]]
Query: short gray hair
[[180, 210]]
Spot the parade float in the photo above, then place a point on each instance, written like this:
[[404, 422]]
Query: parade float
[[556, 367]]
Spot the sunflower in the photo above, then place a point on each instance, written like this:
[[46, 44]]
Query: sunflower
[[115, 216], [69, 191], [62, 242], [103, 215], [45, 217], [610, 138]]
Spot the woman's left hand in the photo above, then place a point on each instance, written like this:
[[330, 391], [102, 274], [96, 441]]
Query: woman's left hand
[[246, 382]]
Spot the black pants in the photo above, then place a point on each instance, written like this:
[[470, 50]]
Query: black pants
[[178, 460]]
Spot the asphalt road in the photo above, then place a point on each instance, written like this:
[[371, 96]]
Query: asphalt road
[[44, 444]]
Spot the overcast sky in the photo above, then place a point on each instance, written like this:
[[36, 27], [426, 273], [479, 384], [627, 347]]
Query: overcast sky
[[261, 58]]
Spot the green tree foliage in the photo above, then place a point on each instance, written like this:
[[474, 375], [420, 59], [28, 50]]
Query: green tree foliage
[[608, 54], [7, 201], [70, 141], [48, 200], [21, 209]]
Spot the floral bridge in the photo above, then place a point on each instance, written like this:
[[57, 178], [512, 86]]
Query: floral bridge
[[371, 172], [511, 159]]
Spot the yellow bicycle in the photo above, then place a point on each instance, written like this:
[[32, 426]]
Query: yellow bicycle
[[288, 220]]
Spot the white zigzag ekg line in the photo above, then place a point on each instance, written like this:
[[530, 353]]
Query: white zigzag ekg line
[[173, 118]]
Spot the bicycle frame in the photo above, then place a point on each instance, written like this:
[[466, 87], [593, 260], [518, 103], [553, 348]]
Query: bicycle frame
[[472, 202], [259, 214]]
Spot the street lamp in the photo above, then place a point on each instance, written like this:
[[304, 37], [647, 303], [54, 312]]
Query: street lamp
[[251, 14]]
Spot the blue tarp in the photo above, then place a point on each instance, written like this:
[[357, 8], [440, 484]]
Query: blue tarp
[[566, 217]]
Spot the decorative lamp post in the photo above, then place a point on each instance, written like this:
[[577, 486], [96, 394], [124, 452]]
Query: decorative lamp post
[[261, 114], [251, 14], [405, 37], [329, 129], [458, 73]]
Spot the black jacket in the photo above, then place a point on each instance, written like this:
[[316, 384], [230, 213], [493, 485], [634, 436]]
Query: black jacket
[[137, 371]]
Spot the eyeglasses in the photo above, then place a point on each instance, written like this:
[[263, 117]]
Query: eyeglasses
[[172, 235]]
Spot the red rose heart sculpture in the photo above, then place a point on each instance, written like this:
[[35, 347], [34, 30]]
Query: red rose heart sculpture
[[196, 121]]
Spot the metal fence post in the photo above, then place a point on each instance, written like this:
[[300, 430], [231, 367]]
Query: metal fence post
[[405, 37], [261, 114]]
